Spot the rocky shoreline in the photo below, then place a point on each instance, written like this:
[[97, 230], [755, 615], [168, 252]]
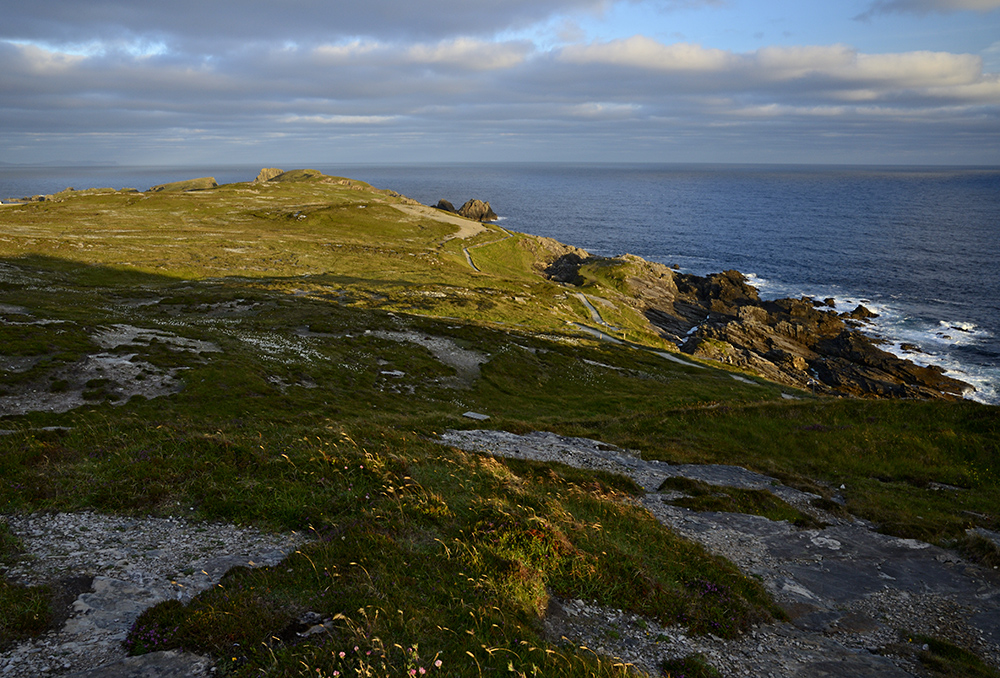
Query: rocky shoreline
[[804, 343]]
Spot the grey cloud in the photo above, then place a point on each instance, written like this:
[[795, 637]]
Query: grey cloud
[[878, 7], [211, 27], [366, 97]]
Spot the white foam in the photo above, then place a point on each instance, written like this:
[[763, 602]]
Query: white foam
[[936, 339], [936, 342]]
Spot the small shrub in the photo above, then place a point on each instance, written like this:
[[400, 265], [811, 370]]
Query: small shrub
[[10, 545], [979, 549], [705, 497], [25, 611], [691, 666], [946, 659], [156, 628]]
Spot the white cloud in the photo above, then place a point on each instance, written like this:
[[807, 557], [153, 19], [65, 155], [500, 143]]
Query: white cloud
[[226, 24], [836, 69], [642, 52], [41, 62], [470, 54], [458, 54], [597, 110], [337, 119]]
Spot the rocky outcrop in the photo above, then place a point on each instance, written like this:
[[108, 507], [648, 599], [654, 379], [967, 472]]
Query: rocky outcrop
[[199, 184], [798, 342], [477, 210], [795, 342], [474, 209], [267, 174]]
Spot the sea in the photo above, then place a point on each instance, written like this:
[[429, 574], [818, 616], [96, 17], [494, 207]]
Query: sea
[[920, 246]]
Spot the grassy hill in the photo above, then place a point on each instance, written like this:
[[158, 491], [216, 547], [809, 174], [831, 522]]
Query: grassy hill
[[284, 354]]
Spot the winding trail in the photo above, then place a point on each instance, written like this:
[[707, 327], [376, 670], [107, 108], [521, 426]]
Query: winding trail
[[595, 315], [467, 228], [468, 254]]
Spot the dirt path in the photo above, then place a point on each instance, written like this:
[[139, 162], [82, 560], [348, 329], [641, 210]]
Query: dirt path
[[466, 227], [468, 254], [595, 315]]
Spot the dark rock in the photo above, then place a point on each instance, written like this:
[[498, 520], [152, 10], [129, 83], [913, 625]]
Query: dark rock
[[477, 210], [566, 268], [446, 206], [860, 313]]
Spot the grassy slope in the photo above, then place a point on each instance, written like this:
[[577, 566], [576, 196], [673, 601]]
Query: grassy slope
[[295, 424]]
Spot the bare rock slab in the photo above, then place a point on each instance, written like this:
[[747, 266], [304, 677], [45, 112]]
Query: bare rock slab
[[169, 664]]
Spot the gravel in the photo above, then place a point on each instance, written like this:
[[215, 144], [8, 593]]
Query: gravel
[[123, 566], [854, 596]]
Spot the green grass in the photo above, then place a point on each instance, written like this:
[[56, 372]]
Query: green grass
[[704, 497], [691, 666], [301, 421], [454, 554], [943, 659], [25, 611]]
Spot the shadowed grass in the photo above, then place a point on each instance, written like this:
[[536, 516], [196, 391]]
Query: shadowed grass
[[704, 497]]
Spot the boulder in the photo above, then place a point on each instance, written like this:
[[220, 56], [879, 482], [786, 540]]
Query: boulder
[[477, 210], [443, 204], [267, 174], [860, 313]]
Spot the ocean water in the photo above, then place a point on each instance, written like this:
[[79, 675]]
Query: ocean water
[[920, 246]]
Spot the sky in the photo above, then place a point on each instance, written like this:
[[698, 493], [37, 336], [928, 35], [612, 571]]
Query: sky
[[192, 82]]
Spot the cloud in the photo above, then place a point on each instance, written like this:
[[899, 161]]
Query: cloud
[[926, 7], [633, 95], [222, 24], [642, 52], [337, 119], [835, 71], [469, 54]]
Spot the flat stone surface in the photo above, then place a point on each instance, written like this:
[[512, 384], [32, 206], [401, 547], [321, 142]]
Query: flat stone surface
[[132, 564], [171, 664], [848, 589]]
